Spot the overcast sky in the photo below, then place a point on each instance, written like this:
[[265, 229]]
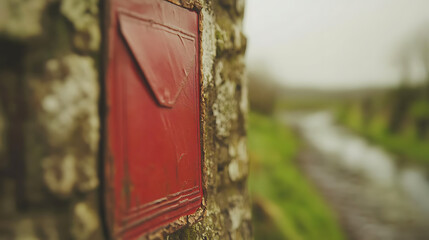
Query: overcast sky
[[331, 43]]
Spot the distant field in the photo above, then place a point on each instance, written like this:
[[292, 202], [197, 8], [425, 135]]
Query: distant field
[[285, 204]]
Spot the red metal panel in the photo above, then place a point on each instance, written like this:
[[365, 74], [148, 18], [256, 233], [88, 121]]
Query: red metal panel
[[154, 176]]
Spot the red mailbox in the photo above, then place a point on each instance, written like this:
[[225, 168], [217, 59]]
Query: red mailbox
[[153, 172]]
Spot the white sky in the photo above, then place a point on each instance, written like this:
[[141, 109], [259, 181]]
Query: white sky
[[331, 43]]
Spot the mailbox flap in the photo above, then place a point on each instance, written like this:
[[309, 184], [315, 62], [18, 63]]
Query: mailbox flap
[[165, 54]]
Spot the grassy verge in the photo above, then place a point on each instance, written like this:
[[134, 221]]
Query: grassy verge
[[405, 144], [285, 204]]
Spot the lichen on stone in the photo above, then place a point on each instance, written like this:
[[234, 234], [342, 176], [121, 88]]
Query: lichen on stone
[[225, 108], [225, 105], [85, 221], [235, 215], [83, 14], [73, 100], [208, 47], [20, 19], [70, 118], [230, 37], [87, 176], [60, 174], [223, 40], [234, 170], [238, 168]]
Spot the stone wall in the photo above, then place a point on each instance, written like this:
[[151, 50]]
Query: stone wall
[[49, 91], [50, 81]]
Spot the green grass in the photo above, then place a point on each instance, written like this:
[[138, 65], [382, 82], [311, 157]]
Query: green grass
[[285, 204], [405, 144]]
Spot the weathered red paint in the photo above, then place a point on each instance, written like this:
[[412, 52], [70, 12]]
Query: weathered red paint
[[154, 176]]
